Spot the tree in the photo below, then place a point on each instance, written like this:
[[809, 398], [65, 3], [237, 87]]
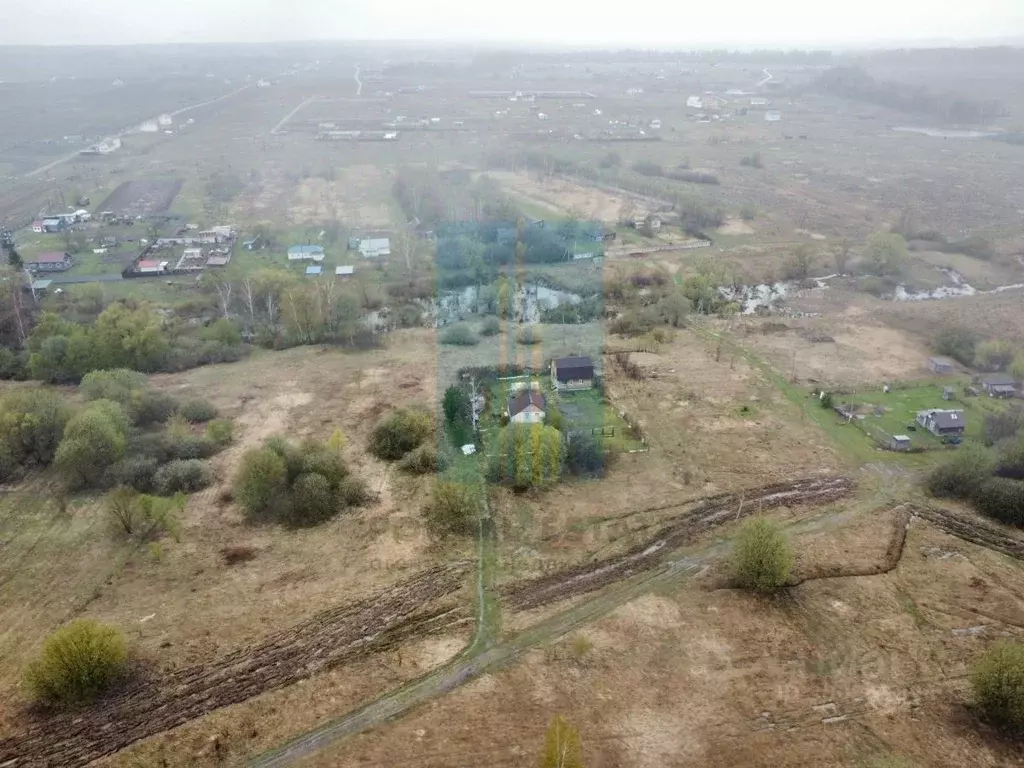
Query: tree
[[841, 255], [761, 557], [313, 500], [528, 456], [887, 252], [397, 434], [456, 406], [994, 355], [997, 680], [960, 475], [32, 423], [93, 440], [562, 746], [78, 663], [800, 262]]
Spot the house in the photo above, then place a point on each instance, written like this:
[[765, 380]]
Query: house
[[55, 224], [51, 262], [758, 101], [526, 407], [772, 116], [305, 253], [150, 266], [344, 271], [314, 270], [941, 365], [694, 102], [37, 227], [942, 423], [571, 373], [165, 120], [255, 244], [372, 247], [999, 385]]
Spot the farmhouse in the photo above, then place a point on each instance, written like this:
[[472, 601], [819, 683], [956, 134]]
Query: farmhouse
[[314, 270], [942, 423], [772, 116], [941, 365], [305, 253], [150, 266], [55, 224], [344, 271], [526, 407], [51, 262], [1000, 385], [570, 373]]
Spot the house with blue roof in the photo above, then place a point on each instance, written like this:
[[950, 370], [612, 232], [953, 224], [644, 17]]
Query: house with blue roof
[[306, 253]]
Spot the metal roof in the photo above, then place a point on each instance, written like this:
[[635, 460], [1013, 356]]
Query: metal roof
[[346, 270], [314, 270]]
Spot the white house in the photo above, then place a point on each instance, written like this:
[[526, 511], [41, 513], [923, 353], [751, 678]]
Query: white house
[[772, 116], [165, 120], [372, 247], [694, 102], [149, 126], [527, 407], [305, 253]]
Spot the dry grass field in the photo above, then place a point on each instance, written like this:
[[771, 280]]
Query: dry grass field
[[838, 672]]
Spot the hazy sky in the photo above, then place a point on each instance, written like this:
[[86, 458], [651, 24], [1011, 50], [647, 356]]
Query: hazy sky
[[657, 22]]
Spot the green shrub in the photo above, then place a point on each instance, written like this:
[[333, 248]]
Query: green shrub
[[586, 456], [119, 384], [78, 663], [135, 472], [313, 500], [198, 410], [459, 336], [397, 434], [182, 476], [93, 441], [152, 408], [1001, 499], [320, 460], [8, 466], [748, 212], [220, 432], [958, 342], [490, 327], [993, 355], [761, 557], [261, 484], [353, 492], [290, 455], [529, 336], [452, 509], [145, 516], [32, 422], [997, 680], [189, 446], [960, 475], [422, 461]]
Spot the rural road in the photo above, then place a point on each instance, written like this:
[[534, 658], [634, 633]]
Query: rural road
[[359, 83], [277, 128], [125, 131], [768, 77]]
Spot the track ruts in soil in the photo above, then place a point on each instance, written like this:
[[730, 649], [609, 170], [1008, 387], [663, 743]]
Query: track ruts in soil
[[675, 533], [412, 609]]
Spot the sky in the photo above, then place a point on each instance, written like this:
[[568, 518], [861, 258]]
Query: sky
[[655, 23]]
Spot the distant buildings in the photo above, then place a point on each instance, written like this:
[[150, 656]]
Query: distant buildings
[[305, 253], [772, 116], [374, 247]]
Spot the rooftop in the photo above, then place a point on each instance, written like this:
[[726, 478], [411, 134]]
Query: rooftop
[[50, 258], [526, 398], [314, 270]]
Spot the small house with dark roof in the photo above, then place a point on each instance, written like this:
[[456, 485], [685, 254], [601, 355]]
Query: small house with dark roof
[[940, 365], [571, 373], [1000, 385], [942, 423], [527, 407]]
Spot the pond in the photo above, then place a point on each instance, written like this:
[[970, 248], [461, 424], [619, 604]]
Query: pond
[[530, 299], [944, 133]]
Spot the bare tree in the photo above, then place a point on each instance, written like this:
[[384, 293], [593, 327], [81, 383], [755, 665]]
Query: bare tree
[[408, 245], [249, 297], [224, 289], [841, 254]]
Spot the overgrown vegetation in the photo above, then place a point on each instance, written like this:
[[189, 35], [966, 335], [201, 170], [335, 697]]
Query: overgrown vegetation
[[562, 746], [78, 663], [991, 484], [761, 557], [400, 432], [296, 485], [997, 681]]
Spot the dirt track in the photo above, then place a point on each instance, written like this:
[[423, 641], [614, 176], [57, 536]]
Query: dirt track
[[704, 516], [415, 608]]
